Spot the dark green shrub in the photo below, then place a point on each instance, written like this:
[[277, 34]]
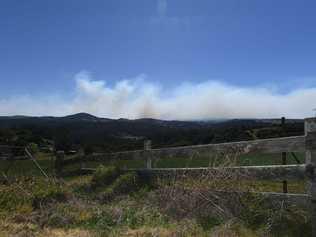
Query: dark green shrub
[[26, 195], [254, 210], [13, 199], [125, 214], [101, 220], [277, 218], [209, 222], [33, 148], [104, 176], [58, 220], [136, 217], [88, 149], [289, 221], [46, 192], [124, 184], [107, 195]]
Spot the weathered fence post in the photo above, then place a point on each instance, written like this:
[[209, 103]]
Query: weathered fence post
[[283, 154], [147, 147], [82, 155], [60, 155], [82, 163], [310, 159]]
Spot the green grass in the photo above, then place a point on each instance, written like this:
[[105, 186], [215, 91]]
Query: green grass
[[25, 167], [176, 162], [28, 168], [70, 204], [136, 213], [128, 164], [274, 186], [270, 159]]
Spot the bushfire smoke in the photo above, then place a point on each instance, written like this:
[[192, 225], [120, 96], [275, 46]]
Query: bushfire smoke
[[139, 98]]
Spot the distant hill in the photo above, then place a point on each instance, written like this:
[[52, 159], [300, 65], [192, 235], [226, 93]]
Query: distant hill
[[82, 116], [84, 129]]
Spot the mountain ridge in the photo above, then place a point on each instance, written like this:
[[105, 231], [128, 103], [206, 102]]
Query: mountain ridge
[[90, 117]]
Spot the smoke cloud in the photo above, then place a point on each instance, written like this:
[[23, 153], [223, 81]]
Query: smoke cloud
[[139, 98]]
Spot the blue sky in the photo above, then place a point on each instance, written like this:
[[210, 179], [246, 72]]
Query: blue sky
[[243, 44]]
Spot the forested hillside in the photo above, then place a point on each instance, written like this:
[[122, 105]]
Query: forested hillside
[[101, 134]]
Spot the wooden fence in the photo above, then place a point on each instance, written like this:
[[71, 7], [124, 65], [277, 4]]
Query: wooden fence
[[307, 171], [16, 153], [12, 152]]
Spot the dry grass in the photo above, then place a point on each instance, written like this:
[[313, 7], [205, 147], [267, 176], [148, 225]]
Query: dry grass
[[230, 229], [211, 204], [219, 192], [11, 229]]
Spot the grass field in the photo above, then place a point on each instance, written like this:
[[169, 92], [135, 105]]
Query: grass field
[[33, 206], [176, 162], [28, 168]]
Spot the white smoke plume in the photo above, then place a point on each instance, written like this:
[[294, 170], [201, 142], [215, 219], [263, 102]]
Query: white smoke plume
[[139, 98]]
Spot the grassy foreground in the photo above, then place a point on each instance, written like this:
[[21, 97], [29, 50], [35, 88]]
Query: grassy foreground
[[113, 203]]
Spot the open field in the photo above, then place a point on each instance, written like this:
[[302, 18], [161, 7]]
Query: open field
[[27, 167], [91, 205], [78, 206], [47, 163]]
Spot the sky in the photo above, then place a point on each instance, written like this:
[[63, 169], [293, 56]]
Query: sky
[[167, 59]]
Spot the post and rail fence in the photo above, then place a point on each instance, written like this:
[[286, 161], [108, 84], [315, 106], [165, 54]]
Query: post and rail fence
[[284, 172], [16, 153]]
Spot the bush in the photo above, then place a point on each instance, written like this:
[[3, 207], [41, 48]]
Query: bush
[[126, 213], [33, 148], [101, 220], [104, 176], [44, 193], [288, 221], [23, 196], [124, 184], [13, 200], [58, 220], [275, 218], [88, 149], [146, 216]]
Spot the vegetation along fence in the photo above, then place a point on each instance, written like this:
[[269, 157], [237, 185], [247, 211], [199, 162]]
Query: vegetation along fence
[[12, 154], [307, 171]]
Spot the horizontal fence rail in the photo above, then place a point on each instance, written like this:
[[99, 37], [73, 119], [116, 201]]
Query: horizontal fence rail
[[11, 147], [301, 200], [8, 152], [274, 145], [267, 172]]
